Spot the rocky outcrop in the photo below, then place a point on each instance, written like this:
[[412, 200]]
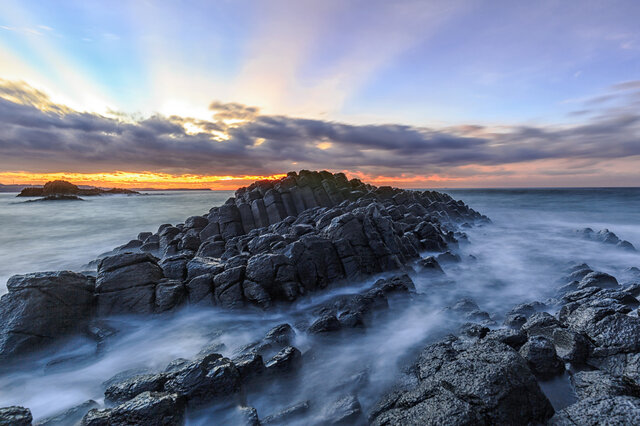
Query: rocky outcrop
[[486, 382], [42, 307], [272, 243], [62, 188], [278, 240]]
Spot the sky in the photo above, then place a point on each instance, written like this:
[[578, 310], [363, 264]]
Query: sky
[[456, 93]]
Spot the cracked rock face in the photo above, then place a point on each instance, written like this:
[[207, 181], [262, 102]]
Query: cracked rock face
[[42, 307], [457, 383]]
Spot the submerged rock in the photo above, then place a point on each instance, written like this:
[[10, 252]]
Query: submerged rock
[[72, 416]]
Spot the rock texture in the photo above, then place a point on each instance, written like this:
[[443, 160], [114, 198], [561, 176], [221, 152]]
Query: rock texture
[[272, 243], [42, 307], [485, 382]]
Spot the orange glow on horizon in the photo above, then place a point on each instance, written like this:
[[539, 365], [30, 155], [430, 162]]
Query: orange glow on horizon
[[121, 179]]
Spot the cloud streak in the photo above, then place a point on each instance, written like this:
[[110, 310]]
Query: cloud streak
[[37, 135]]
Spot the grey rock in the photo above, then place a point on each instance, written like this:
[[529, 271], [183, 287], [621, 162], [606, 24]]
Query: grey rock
[[288, 360], [15, 416], [148, 408], [542, 357], [346, 410], [541, 324], [598, 384], [325, 324], [42, 307], [484, 383], [617, 410], [288, 414], [598, 279], [205, 380], [71, 416], [249, 366], [200, 290], [133, 386], [571, 346], [169, 295], [282, 334], [203, 265]]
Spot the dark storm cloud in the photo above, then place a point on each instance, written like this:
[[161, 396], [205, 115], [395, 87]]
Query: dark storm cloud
[[37, 139]]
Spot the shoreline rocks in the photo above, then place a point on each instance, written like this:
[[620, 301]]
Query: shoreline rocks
[[272, 243]]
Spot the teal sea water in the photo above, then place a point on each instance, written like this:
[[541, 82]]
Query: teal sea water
[[518, 258]]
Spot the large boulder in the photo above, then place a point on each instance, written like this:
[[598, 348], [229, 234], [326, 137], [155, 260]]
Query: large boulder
[[126, 284], [41, 307], [483, 383]]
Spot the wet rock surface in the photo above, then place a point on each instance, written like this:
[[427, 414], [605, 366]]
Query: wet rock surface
[[280, 247], [272, 243]]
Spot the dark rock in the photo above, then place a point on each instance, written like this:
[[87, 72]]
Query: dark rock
[[571, 346], [72, 416], [541, 324], [288, 414], [133, 386], [430, 264], [527, 309], [248, 416], [126, 284], [476, 331], [175, 267], [345, 410], [148, 408], [287, 360], [508, 336], [41, 307], [249, 366], [598, 279], [228, 287], [196, 222], [325, 324], [212, 229], [282, 334], [142, 236], [200, 290], [484, 383], [611, 332], [617, 410], [448, 257], [541, 357], [15, 416], [203, 265], [206, 380], [211, 248], [169, 294], [598, 384], [515, 321]]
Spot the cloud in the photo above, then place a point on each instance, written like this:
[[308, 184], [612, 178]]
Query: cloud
[[37, 135]]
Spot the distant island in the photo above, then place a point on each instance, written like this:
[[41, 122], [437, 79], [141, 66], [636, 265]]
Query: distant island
[[61, 190]]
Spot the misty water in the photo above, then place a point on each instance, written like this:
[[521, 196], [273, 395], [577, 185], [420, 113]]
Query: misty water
[[518, 258]]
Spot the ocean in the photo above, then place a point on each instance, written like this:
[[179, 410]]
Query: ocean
[[518, 258]]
